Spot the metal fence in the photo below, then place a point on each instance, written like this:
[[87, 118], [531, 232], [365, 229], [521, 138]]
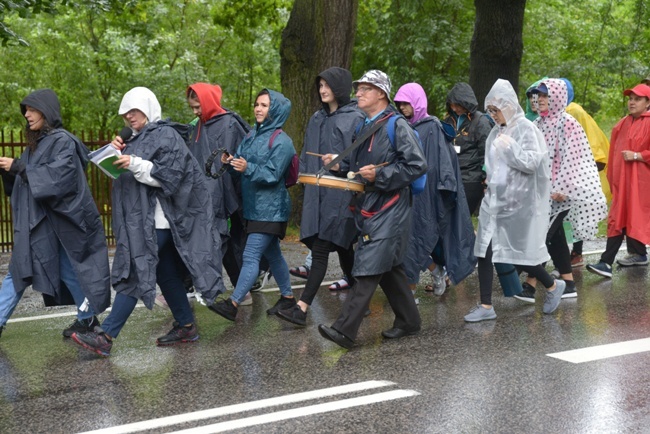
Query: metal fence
[[12, 145]]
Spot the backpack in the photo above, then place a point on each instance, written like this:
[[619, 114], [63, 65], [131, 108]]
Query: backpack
[[419, 184], [291, 178]]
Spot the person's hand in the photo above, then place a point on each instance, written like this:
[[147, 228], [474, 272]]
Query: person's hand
[[118, 143], [5, 163], [239, 164], [368, 172], [558, 197], [123, 162], [629, 156], [226, 158], [327, 158]]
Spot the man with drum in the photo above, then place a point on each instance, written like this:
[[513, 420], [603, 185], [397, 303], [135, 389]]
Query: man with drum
[[382, 213], [327, 222]]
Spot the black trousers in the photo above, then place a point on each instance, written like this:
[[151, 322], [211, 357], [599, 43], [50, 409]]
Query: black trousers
[[395, 285], [320, 252], [557, 245], [634, 247], [474, 192]]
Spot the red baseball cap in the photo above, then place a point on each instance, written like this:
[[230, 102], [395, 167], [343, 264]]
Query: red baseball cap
[[639, 90]]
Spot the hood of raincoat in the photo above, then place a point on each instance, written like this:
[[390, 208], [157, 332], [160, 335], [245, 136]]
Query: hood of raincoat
[[46, 102], [340, 81], [413, 94], [504, 97], [569, 89], [530, 114], [463, 95], [279, 112], [557, 96], [210, 99], [144, 100]]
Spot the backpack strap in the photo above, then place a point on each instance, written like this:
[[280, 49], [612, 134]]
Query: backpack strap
[[275, 134]]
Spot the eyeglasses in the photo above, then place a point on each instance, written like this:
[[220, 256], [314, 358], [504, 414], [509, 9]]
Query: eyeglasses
[[493, 111], [364, 89]]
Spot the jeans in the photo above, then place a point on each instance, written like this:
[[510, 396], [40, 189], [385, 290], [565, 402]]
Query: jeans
[[9, 297], [169, 276], [258, 245]]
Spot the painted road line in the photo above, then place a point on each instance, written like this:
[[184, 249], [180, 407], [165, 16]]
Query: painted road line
[[276, 289], [56, 315], [600, 352], [238, 408], [299, 412]]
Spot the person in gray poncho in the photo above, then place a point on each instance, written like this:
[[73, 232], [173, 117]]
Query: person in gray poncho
[[163, 223], [59, 241]]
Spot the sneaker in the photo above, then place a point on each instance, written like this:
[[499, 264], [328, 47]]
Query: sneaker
[[160, 301], [479, 313], [601, 268], [282, 304], [247, 301], [633, 260], [555, 274], [439, 283], [266, 278], [527, 293], [81, 326], [179, 334], [576, 260], [258, 283], [553, 298], [302, 271], [570, 290], [225, 308], [340, 285], [294, 315], [94, 341]]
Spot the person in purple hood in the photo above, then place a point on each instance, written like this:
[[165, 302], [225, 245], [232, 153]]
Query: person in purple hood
[[444, 234]]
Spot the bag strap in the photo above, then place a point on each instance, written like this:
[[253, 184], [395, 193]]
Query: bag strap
[[275, 134], [354, 145]]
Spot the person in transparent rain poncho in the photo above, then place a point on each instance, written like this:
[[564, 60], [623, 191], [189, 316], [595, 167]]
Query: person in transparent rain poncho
[[514, 213]]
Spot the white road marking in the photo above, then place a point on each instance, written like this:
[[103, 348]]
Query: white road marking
[[299, 412], [275, 289], [238, 408], [600, 352], [55, 315]]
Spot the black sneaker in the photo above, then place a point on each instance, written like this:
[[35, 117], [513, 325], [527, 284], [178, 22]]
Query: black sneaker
[[570, 291], [282, 304], [601, 268], [225, 308], [294, 315], [81, 326], [179, 334], [527, 294], [95, 341]]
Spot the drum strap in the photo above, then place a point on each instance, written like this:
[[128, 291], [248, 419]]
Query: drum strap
[[365, 136]]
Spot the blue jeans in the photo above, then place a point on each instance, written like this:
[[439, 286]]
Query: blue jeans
[[9, 297], [258, 245], [169, 276]]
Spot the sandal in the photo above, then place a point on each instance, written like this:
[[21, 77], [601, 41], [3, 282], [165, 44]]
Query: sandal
[[302, 271], [340, 285]]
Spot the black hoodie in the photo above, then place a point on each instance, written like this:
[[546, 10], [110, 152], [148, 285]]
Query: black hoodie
[[340, 81]]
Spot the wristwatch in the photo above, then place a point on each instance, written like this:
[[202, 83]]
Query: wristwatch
[[635, 155]]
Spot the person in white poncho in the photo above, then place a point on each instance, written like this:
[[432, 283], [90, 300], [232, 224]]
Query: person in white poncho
[[515, 210]]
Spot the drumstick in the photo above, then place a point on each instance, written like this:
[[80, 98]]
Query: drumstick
[[314, 154], [353, 174]]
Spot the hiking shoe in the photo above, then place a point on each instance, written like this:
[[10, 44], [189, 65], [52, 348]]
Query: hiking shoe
[[340, 285], [633, 260], [247, 301], [576, 260], [262, 279], [294, 315], [179, 334], [570, 290], [479, 313], [527, 293], [553, 298], [601, 268], [94, 341], [302, 271], [438, 280], [225, 308], [81, 326], [282, 304]]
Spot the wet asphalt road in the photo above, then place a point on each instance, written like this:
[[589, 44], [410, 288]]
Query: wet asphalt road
[[453, 377]]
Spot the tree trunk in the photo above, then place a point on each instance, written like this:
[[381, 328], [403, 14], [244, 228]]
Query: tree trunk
[[497, 44], [319, 35]]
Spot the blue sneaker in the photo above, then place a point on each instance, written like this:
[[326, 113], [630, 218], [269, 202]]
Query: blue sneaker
[[479, 313], [601, 268], [553, 298], [633, 260]]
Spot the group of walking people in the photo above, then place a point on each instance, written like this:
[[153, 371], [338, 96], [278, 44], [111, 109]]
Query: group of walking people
[[196, 199]]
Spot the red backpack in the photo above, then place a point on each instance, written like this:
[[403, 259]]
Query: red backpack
[[291, 178]]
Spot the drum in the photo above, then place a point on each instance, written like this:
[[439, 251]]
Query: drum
[[331, 182]]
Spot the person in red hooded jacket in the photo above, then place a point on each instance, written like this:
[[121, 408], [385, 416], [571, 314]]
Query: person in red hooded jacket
[[628, 173]]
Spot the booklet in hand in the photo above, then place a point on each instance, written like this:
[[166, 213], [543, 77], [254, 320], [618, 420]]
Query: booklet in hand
[[104, 158]]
